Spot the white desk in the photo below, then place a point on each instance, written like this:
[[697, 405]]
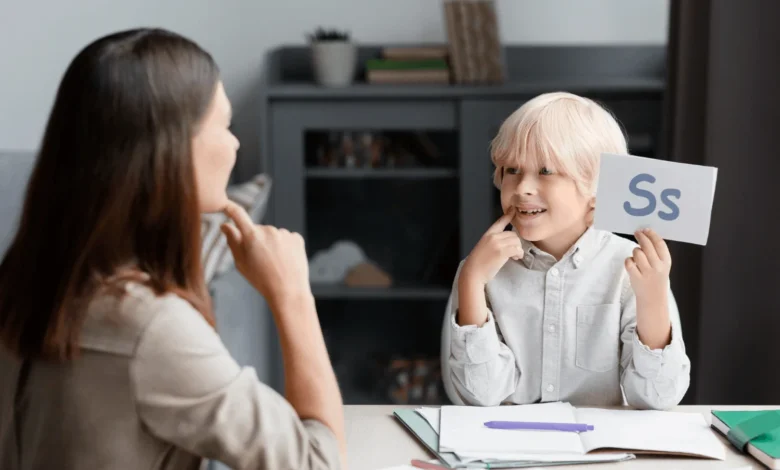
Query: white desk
[[376, 440]]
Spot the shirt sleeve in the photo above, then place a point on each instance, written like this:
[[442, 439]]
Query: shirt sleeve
[[482, 368], [191, 392], [652, 378]]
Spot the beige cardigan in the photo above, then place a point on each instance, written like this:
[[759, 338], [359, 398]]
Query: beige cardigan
[[154, 388]]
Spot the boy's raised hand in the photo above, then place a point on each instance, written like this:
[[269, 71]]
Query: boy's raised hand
[[648, 270], [649, 266], [492, 251]]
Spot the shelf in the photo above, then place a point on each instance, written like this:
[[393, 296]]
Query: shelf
[[400, 293], [529, 87], [401, 173]]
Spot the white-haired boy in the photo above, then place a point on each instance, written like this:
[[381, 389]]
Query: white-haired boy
[[555, 310]]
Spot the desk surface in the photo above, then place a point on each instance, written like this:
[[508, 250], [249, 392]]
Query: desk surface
[[376, 440]]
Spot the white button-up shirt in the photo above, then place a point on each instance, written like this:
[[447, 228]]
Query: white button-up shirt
[[564, 331]]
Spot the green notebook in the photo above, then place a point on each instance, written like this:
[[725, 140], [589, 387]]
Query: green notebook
[[754, 432]]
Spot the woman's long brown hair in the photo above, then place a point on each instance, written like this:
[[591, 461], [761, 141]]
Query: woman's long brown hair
[[113, 186]]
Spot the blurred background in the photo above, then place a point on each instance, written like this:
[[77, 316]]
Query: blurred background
[[367, 125]]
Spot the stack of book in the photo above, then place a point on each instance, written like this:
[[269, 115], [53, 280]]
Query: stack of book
[[409, 65]]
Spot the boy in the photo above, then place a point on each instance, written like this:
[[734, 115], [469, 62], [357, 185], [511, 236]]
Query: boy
[[555, 310]]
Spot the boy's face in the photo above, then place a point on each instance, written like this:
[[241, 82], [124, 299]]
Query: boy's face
[[550, 210]]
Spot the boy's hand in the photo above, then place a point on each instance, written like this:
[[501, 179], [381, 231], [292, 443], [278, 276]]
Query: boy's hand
[[649, 266], [492, 251], [648, 270]]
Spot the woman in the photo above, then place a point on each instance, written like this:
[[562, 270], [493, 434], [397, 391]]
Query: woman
[[109, 357]]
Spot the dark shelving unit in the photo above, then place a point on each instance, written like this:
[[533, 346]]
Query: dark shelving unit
[[416, 218], [400, 173]]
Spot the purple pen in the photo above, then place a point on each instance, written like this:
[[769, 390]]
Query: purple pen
[[535, 426]]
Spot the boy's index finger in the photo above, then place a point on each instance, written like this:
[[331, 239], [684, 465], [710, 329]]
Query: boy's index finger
[[240, 217], [502, 222], [659, 244]]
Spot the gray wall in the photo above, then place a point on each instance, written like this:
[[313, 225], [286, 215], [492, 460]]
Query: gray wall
[[239, 32]]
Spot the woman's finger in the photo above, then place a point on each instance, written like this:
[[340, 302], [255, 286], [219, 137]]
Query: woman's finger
[[232, 235], [241, 218]]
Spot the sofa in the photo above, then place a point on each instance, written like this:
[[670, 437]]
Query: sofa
[[243, 319]]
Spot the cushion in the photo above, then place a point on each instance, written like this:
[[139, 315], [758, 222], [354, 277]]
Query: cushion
[[253, 197]]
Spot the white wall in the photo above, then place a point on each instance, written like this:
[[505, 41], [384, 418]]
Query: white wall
[[38, 38]]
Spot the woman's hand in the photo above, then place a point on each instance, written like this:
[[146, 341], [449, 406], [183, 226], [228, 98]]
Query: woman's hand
[[273, 260]]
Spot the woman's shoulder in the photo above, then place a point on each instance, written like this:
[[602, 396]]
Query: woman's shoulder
[[117, 323]]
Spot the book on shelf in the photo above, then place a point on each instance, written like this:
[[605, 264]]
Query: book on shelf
[[408, 70], [415, 52], [475, 45], [408, 76]]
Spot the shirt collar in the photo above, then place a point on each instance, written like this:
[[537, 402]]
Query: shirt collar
[[582, 250]]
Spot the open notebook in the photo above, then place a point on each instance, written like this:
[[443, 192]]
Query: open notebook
[[462, 432], [424, 424]]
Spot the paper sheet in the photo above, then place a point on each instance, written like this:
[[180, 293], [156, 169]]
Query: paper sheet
[[674, 199], [649, 430], [463, 430], [431, 415], [487, 457]]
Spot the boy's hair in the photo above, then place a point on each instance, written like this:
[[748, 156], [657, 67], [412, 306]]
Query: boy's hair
[[564, 132]]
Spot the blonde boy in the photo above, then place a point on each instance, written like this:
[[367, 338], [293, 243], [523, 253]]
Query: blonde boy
[[555, 310]]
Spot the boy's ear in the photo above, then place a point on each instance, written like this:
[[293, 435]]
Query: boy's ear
[[591, 211]]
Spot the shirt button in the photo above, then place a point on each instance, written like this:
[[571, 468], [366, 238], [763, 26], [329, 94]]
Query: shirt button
[[577, 259], [550, 388], [551, 328], [554, 271]]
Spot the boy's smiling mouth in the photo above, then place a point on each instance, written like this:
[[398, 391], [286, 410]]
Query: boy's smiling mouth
[[527, 210], [531, 211]]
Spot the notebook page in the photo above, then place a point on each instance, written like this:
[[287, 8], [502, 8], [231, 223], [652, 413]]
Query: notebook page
[[495, 457], [463, 431], [649, 430], [431, 415]]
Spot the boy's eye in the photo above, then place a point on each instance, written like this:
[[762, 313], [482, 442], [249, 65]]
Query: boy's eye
[[545, 171], [512, 171]]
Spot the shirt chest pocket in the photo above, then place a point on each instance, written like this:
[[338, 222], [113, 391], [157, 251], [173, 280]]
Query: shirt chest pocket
[[598, 337]]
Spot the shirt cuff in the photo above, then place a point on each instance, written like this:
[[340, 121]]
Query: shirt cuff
[[656, 363], [474, 344]]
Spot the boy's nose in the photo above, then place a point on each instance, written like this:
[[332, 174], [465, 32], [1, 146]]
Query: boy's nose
[[527, 185]]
